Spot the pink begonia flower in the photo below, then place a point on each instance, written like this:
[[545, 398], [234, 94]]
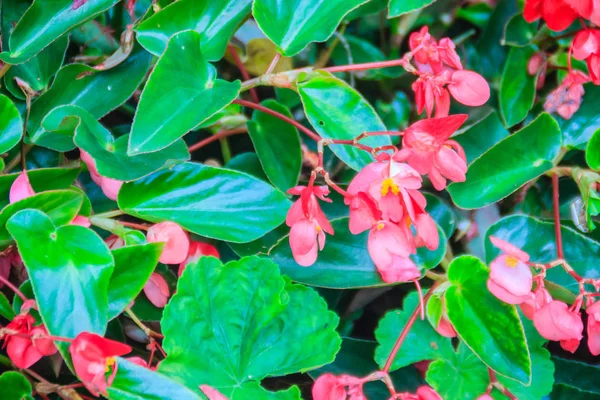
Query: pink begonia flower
[[469, 88], [537, 299], [593, 328], [343, 387], [586, 43], [177, 241], [197, 250], [81, 221], [432, 53], [20, 188], [427, 393], [26, 351], [430, 93], [427, 148], [567, 97], [110, 187], [510, 277], [308, 223], [157, 290], [390, 247], [212, 393], [555, 321]]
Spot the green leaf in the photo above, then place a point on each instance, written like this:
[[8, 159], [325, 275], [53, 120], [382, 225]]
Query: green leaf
[[110, 154], [134, 382], [345, 262], [61, 206], [577, 374], [11, 125], [69, 268], [293, 24], [80, 85], [337, 111], [266, 327], [253, 391], [421, 343], [277, 145], [442, 213], [510, 164], [133, 267], [5, 309], [38, 71], [396, 114], [358, 51], [182, 92], [214, 202], [482, 136], [41, 180], [519, 32], [399, 7], [216, 21], [517, 90], [542, 372], [356, 358], [592, 151], [537, 239], [15, 386], [44, 22], [490, 327], [581, 126]]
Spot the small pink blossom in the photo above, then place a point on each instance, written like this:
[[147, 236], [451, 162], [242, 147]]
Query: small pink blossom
[[212, 393], [197, 250], [308, 223], [177, 241], [157, 290], [566, 98], [390, 247], [537, 299], [427, 393], [81, 221], [555, 321], [21, 188], [510, 277], [343, 387], [593, 328]]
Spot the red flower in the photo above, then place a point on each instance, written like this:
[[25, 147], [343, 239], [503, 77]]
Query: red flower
[[197, 250], [558, 14], [26, 351], [93, 357]]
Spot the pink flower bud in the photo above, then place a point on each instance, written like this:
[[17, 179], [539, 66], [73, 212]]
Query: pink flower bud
[[21, 188], [197, 250], [177, 242], [556, 322], [114, 242], [157, 290], [485, 396], [536, 300], [593, 328], [469, 88], [81, 221], [535, 63], [445, 328]]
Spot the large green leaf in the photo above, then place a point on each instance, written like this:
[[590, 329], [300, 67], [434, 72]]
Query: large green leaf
[[577, 374], [69, 268], [542, 372], [510, 164], [15, 386], [44, 22], [225, 339], [293, 24], [61, 206], [581, 126], [277, 145], [110, 154], [345, 262], [182, 91], [11, 125], [421, 343], [216, 21], [519, 32], [399, 7], [592, 151], [517, 90], [482, 136], [212, 202], [537, 239], [134, 382], [337, 111], [5, 309], [490, 327], [133, 267]]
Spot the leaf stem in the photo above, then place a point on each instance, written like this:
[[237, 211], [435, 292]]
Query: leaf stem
[[238, 62], [110, 214], [273, 63], [216, 137], [149, 332], [4, 69], [555, 206], [13, 288], [17, 159]]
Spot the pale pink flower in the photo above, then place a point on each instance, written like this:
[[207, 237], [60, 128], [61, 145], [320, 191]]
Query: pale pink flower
[[177, 241], [537, 299], [197, 250], [157, 290], [20, 188], [343, 387], [510, 277], [308, 223], [593, 328], [390, 247], [566, 98], [212, 393], [555, 321], [469, 88]]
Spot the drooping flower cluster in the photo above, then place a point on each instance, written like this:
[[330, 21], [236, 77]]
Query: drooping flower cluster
[[25, 342]]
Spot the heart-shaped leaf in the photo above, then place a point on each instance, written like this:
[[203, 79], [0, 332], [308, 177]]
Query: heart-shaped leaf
[[15, 386], [11, 125]]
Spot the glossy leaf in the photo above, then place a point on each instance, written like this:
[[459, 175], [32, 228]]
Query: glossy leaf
[[480, 319], [270, 327], [293, 24], [517, 90], [5, 309], [442, 213], [216, 21], [537, 239], [581, 126], [481, 136], [345, 261], [337, 111], [542, 372], [577, 374], [45, 22], [133, 267], [277, 145], [421, 343], [592, 152], [15, 386], [182, 91], [519, 32], [510, 164], [11, 125], [69, 268], [399, 7], [213, 202], [97, 92]]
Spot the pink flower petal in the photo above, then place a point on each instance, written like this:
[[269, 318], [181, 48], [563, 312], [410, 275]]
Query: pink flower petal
[[177, 242], [512, 275], [451, 165], [212, 393], [509, 249], [556, 322], [469, 88], [157, 290], [81, 221], [303, 242], [558, 14], [593, 328], [21, 188]]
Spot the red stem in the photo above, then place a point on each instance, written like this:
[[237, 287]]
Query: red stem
[[29, 336], [13, 288], [557, 231], [216, 137], [504, 390], [238, 62], [404, 333], [134, 225], [366, 66], [282, 117]]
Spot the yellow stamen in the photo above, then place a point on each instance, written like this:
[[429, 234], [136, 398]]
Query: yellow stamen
[[407, 222], [110, 361], [380, 226], [318, 229], [511, 261], [388, 184]]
